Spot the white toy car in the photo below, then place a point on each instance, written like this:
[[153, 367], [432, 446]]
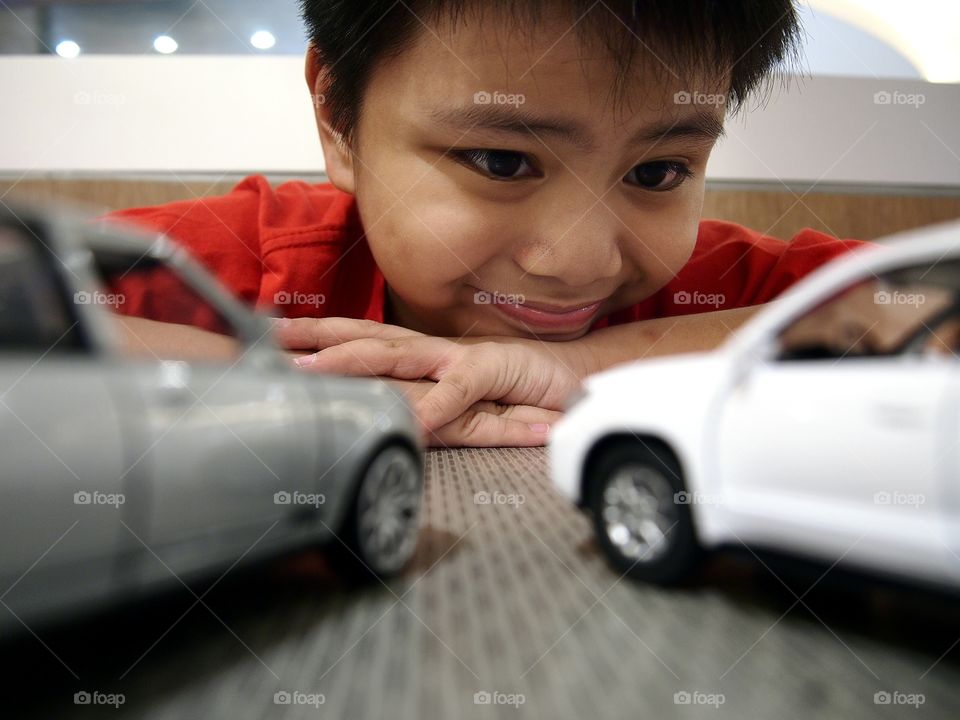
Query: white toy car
[[827, 427]]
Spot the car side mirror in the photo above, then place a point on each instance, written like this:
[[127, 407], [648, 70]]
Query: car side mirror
[[748, 360], [264, 357], [261, 351]]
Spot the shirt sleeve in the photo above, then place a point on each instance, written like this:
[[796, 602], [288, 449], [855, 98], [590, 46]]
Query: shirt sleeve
[[734, 267], [752, 268]]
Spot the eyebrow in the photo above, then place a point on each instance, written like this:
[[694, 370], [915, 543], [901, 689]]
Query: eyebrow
[[696, 125]]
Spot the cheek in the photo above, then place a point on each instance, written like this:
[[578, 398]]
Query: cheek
[[665, 241], [428, 246]]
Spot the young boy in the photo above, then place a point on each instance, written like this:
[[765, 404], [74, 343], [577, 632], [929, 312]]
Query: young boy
[[514, 200]]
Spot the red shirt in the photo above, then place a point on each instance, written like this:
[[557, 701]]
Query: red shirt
[[298, 242]]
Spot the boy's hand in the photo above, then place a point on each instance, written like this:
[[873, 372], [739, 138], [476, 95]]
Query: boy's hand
[[485, 423], [513, 371], [536, 376]]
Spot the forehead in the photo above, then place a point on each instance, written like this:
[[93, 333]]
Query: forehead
[[552, 66]]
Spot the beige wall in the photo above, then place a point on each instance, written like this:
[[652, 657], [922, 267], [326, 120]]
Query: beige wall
[[173, 116]]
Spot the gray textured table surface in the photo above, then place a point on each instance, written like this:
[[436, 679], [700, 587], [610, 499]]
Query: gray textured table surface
[[510, 599]]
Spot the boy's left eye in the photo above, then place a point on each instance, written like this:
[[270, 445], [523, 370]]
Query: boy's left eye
[[659, 176], [498, 164]]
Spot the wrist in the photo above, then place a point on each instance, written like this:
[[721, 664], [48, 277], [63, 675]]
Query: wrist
[[657, 337], [594, 353]]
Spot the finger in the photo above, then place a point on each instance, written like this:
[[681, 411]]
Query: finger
[[485, 429], [320, 333], [410, 358], [297, 354], [457, 389], [530, 414]]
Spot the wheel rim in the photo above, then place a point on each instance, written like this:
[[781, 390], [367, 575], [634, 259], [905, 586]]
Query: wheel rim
[[388, 510], [638, 511]]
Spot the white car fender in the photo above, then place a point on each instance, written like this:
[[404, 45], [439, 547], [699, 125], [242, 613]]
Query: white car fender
[[669, 399]]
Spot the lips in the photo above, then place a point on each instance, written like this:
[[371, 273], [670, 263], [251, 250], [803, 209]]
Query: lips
[[560, 309], [545, 316]]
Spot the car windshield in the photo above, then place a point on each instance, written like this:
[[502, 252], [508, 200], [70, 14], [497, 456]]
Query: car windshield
[[913, 311], [33, 314]]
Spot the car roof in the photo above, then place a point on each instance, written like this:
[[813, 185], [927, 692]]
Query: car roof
[[65, 230], [62, 228]]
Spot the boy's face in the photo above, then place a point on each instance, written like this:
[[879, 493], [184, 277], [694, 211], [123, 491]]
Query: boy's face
[[504, 191]]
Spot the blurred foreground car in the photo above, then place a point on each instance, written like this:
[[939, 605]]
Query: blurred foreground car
[[827, 427], [124, 467]]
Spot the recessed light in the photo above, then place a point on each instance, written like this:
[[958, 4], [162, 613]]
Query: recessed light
[[165, 44], [263, 40], [68, 49]]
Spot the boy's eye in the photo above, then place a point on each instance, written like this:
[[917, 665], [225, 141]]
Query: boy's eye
[[658, 176], [498, 164]]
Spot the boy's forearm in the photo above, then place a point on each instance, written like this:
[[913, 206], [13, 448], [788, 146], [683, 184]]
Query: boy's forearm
[[661, 336], [151, 339]]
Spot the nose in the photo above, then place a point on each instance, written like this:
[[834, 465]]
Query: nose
[[579, 246]]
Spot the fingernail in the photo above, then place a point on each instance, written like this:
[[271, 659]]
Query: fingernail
[[306, 360], [280, 322], [540, 427]]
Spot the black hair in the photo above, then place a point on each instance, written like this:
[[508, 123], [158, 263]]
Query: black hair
[[748, 39]]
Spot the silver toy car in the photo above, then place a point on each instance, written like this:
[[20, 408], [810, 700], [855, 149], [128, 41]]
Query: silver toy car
[[127, 464]]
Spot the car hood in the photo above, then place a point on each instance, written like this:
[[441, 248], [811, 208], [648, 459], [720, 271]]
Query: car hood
[[675, 376]]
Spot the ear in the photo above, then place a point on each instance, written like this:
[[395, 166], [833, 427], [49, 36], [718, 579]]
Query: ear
[[336, 152]]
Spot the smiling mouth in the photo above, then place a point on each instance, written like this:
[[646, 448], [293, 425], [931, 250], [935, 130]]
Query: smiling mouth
[[544, 316]]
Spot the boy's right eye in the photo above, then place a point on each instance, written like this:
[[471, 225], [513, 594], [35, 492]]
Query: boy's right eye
[[497, 164]]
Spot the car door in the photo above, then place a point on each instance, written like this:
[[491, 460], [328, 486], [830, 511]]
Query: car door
[[224, 439], [62, 493], [835, 445]]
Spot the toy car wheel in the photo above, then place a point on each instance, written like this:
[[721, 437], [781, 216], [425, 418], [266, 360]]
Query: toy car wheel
[[643, 529], [382, 525]]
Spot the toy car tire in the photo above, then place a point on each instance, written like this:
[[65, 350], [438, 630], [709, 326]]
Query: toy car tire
[[380, 530], [646, 533]]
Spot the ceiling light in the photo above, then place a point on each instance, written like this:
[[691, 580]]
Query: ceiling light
[[68, 49], [263, 40], [165, 44]]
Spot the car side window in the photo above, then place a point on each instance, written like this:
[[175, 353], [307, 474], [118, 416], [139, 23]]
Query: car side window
[[907, 312], [35, 316], [160, 316]]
